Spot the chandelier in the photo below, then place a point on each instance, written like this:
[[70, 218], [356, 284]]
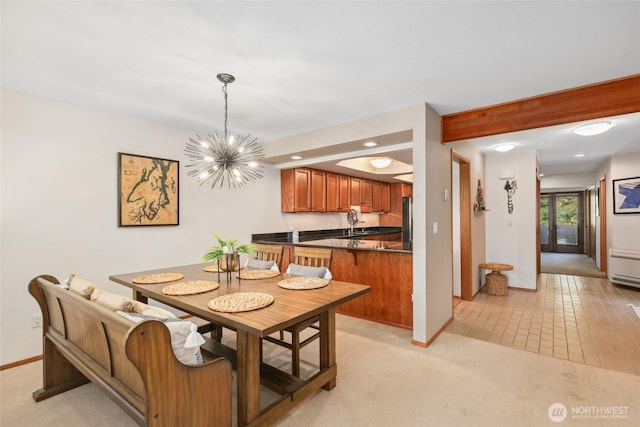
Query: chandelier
[[228, 157]]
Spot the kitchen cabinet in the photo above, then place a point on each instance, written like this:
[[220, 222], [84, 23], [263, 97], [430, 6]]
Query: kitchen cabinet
[[361, 193], [295, 190], [303, 190], [314, 190], [318, 191], [380, 197], [338, 188]]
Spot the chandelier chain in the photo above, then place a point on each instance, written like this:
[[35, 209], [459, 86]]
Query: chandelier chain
[[224, 89]]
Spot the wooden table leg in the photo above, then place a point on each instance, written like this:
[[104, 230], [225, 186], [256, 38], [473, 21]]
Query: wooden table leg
[[328, 343], [139, 297], [248, 353]]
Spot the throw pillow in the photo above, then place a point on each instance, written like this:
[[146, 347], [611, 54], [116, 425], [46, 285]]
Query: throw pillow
[[185, 339], [305, 270], [80, 286], [256, 264]]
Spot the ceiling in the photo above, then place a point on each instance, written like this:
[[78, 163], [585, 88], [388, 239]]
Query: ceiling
[[308, 65]]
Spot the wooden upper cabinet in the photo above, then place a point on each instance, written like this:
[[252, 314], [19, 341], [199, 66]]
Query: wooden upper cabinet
[[333, 192], [338, 188], [318, 191], [380, 197], [302, 190], [356, 191], [295, 190], [386, 197], [345, 193], [313, 190], [367, 195]]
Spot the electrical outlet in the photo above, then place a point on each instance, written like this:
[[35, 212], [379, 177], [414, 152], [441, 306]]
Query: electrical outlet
[[36, 320]]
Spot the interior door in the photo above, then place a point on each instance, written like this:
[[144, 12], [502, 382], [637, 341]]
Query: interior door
[[561, 223]]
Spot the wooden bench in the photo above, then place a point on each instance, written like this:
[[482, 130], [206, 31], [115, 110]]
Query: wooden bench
[[133, 364], [496, 282]]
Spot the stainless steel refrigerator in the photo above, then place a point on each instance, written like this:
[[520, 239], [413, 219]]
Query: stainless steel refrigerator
[[407, 221]]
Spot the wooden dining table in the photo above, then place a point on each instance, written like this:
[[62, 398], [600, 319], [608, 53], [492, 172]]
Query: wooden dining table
[[289, 308]]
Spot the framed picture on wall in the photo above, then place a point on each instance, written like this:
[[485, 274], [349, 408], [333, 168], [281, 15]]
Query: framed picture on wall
[[147, 191], [626, 195]]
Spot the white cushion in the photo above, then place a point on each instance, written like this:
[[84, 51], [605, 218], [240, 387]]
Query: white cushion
[[305, 270], [256, 264], [185, 339], [80, 286]]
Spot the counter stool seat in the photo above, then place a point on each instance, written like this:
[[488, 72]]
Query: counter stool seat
[[496, 282]]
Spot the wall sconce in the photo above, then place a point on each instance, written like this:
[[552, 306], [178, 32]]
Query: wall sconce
[[510, 187]]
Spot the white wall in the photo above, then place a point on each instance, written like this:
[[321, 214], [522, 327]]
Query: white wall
[[568, 181], [439, 245], [59, 206], [623, 229], [511, 238]]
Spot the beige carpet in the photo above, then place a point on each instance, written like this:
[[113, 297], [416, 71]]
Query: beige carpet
[[572, 264], [383, 380]]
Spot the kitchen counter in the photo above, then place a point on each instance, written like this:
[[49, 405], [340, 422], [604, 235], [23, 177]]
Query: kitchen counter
[[367, 239], [361, 244], [386, 266]]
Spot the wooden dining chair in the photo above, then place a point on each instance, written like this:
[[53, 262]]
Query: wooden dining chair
[[312, 257], [268, 253]]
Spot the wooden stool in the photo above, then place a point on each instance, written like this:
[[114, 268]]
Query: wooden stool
[[495, 281]]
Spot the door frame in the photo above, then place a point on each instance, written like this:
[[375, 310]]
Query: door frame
[[552, 242], [603, 222], [466, 291]]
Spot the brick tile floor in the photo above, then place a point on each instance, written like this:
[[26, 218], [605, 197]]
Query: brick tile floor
[[582, 319]]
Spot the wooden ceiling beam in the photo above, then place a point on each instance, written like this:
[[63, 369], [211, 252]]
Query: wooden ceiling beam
[[605, 99]]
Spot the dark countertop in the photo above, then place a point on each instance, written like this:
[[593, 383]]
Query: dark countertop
[[338, 239], [362, 245]]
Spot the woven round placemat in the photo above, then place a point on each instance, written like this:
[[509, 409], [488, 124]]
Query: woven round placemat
[[149, 279], [257, 274], [190, 288], [213, 268], [302, 283], [241, 301]]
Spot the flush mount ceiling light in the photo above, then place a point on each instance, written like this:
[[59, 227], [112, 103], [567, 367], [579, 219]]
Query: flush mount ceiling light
[[295, 157], [370, 144], [579, 155], [228, 157], [503, 148], [380, 162], [595, 128]]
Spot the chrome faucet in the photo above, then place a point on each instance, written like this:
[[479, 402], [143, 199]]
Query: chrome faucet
[[352, 219]]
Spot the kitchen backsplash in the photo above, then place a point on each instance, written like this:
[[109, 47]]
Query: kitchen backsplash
[[322, 221]]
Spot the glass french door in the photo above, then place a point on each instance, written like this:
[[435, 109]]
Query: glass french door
[[561, 223]]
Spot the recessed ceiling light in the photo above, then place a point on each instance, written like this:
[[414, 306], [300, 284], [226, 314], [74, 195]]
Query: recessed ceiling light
[[380, 162], [540, 174], [296, 157], [591, 129], [579, 155], [503, 147], [370, 144]]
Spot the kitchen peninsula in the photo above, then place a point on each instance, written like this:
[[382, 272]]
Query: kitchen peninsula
[[375, 256]]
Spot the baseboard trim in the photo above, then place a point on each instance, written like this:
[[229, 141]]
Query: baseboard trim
[[433, 338], [20, 362]]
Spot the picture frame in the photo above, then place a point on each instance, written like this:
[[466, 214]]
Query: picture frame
[[148, 191], [626, 195]]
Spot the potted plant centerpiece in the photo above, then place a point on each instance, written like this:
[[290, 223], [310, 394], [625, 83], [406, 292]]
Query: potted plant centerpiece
[[227, 253]]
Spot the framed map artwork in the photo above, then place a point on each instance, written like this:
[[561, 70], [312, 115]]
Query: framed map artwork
[[626, 195], [147, 191]]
